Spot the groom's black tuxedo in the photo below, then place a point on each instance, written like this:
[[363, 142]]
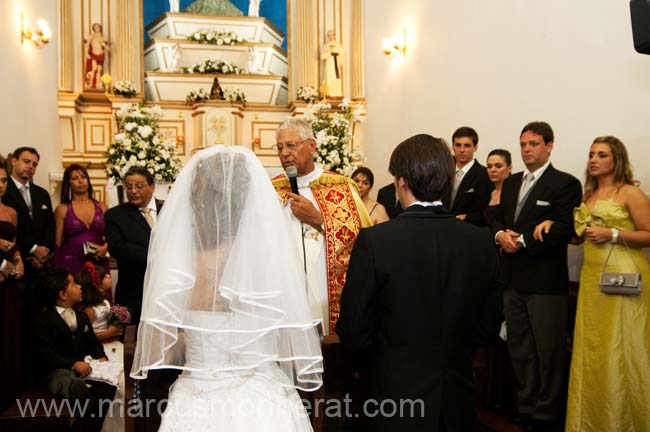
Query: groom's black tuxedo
[[422, 291], [127, 234]]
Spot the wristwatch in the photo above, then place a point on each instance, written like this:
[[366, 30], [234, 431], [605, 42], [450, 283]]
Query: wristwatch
[[614, 235]]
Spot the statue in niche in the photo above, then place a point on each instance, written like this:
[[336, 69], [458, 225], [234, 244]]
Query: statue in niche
[[174, 5], [332, 54], [175, 55], [216, 92], [254, 8], [214, 7], [96, 49]]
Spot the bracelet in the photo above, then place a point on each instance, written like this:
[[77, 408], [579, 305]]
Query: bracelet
[[614, 235]]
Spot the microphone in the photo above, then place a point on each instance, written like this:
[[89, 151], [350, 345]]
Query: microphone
[[292, 173]]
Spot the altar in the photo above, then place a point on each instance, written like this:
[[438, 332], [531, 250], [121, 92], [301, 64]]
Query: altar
[[265, 62]]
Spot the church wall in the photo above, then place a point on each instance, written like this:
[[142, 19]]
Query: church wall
[[496, 65], [29, 83]]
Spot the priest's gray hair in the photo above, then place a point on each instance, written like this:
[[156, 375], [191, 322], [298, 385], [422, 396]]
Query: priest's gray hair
[[299, 125]]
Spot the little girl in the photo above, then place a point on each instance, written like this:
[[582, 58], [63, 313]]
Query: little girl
[[95, 283]]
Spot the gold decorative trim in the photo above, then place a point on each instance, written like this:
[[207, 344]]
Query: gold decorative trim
[[211, 17]]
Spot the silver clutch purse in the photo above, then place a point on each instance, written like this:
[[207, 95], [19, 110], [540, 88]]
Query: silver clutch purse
[[616, 283], [628, 284]]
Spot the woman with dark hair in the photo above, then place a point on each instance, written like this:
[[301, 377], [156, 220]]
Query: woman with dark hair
[[609, 387], [79, 219], [365, 179], [499, 167]]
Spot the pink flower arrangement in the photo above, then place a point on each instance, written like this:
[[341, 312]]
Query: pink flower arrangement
[[119, 316]]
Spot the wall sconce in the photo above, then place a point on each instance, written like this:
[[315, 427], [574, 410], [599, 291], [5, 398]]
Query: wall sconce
[[395, 46], [39, 37]]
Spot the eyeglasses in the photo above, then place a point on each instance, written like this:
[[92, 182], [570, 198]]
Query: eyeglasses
[[290, 147], [138, 187]]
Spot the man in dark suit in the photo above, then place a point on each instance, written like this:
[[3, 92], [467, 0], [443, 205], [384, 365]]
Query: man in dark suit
[[411, 303], [472, 187], [387, 197], [35, 229], [63, 337], [536, 276], [128, 228]]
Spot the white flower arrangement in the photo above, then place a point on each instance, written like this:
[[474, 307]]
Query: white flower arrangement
[[234, 94], [333, 133], [125, 88], [307, 93], [199, 95], [217, 37], [139, 142], [214, 66]]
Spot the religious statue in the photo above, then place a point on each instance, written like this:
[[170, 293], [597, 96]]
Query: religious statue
[[216, 92], [253, 65], [254, 8], [214, 7], [175, 55], [174, 5], [96, 48], [332, 55]]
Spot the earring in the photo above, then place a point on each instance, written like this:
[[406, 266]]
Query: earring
[[69, 194]]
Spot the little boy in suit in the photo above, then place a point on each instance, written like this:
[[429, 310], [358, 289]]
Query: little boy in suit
[[63, 337]]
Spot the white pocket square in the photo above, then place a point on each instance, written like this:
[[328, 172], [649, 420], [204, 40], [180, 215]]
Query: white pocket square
[[43, 207], [543, 203], [469, 190]]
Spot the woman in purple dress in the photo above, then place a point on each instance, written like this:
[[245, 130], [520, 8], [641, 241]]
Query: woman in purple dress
[[79, 219]]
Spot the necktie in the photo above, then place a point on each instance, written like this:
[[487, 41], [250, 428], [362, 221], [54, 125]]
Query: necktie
[[457, 180], [146, 212], [70, 318], [525, 187], [24, 191], [523, 193]]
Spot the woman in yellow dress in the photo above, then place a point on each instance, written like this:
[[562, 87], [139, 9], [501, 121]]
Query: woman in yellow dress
[[609, 386]]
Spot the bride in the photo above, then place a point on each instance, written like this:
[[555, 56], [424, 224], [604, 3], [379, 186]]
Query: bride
[[225, 302]]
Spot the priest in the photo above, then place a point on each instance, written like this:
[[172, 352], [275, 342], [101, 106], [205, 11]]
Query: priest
[[326, 216]]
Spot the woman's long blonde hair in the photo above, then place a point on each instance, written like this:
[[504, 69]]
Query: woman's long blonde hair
[[622, 169]]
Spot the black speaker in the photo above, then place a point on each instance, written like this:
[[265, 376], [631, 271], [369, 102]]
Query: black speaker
[[640, 12]]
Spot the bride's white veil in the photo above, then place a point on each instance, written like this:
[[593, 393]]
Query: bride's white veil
[[222, 249]]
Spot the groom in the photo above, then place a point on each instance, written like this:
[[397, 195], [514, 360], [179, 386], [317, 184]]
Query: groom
[[411, 305]]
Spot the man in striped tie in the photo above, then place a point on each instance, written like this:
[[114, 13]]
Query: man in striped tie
[[128, 228], [536, 276]]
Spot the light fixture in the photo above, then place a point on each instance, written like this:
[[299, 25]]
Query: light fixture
[[395, 46], [39, 37]]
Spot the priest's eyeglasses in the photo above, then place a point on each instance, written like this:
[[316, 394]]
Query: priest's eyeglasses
[[290, 147]]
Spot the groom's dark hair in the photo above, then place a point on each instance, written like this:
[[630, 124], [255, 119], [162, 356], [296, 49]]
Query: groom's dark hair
[[426, 165]]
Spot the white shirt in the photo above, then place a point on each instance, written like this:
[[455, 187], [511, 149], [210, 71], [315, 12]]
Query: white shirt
[[536, 174], [427, 203], [61, 310], [19, 186], [315, 254], [465, 169], [153, 211]]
